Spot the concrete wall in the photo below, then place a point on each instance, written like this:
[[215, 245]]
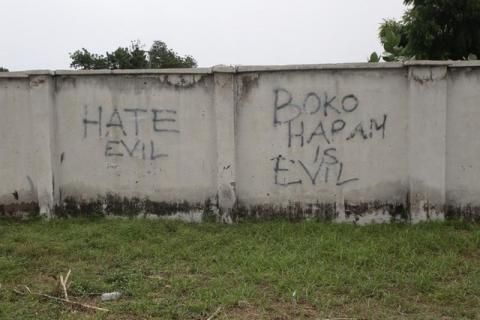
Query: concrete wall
[[17, 166], [350, 142]]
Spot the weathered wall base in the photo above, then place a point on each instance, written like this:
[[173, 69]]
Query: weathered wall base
[[114, 205]]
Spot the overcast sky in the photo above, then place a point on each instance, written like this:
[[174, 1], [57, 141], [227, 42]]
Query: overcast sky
[[40, 34]]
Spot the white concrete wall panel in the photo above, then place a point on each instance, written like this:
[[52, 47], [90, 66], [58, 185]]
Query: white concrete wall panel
[[351, 142]]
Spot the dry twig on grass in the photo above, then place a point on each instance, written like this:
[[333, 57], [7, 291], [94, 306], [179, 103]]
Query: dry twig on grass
[[28, 291], [215, 314], [64, 285]]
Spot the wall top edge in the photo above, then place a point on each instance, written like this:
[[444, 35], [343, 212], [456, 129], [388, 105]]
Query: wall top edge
[[26, 74], [135, 71], [246, 69], [328, 66]]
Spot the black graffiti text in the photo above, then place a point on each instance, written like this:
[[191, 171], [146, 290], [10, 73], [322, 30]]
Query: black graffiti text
[[122, 130], [317, 121], [128, 121]]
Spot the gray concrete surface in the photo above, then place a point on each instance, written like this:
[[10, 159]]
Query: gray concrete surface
[[344, 142]]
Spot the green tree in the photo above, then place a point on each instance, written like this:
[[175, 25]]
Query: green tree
[[160, 56], [83, 59], [133, 57], [3, 69], [433, 30]]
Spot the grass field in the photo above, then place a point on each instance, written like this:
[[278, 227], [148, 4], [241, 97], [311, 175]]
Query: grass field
[[268, 270]]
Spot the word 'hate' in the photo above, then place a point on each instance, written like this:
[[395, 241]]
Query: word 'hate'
[[161, 120]]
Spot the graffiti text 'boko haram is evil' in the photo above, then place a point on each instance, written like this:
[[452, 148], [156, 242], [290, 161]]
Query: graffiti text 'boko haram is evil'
[[316, 121]]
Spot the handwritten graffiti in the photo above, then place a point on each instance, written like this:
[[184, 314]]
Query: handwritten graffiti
[[118, 127], [318, 122]]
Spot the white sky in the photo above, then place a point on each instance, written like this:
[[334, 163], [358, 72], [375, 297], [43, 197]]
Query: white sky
[[39, 34]]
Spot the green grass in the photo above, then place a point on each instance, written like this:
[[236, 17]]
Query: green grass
[[266, 270]]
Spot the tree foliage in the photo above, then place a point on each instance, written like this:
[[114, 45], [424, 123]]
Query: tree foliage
[[3, 69], [160, 56], [133, 57], [433, 30]]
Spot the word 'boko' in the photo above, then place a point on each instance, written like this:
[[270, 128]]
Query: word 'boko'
[[286, 111]]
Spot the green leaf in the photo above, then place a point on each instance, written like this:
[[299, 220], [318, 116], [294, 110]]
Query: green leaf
[[374, 57]]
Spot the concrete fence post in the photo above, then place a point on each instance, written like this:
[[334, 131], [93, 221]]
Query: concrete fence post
[[224, 106], [426, 139], [41, 103]]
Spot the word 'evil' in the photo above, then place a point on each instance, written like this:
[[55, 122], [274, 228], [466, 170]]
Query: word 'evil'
[[120, 148], [326, 167]]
